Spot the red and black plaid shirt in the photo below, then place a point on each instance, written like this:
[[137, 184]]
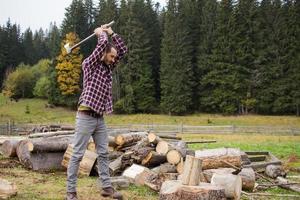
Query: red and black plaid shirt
[[97, 76]]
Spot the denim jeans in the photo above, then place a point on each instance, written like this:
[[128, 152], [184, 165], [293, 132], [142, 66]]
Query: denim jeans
[[87, 126]]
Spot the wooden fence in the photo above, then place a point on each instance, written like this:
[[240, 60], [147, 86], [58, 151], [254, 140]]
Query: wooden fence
[[10, 128]]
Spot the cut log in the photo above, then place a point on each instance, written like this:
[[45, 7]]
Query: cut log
[[42, 154], [212, 158], [174, 190], [153, 159], [231, 183], [153, 138], [273, 171], [86, 164], [119, 164], [9, 148], [263, 165], [163, 147], [285, 184], [192, 171], [7, 189], [111, 141], [180, 166], [208, 173], [165, 168], [257, 158], [200, 141], [129, 138], [140, 154], [51, 134], [174, 157], [248, 179], [114, 155], [133, 171]]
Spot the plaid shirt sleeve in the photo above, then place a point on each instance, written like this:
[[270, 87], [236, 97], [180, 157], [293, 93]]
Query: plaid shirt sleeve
[[90, 63], [120, 46]]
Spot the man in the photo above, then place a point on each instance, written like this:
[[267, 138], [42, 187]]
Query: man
[[95, 99]]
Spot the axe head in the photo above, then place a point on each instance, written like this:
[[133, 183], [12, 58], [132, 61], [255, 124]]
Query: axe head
[[68, 48]]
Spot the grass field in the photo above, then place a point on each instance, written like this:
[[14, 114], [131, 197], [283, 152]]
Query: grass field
[[38, 113]]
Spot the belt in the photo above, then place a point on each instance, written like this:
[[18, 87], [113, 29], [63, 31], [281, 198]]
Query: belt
[[90, 113]]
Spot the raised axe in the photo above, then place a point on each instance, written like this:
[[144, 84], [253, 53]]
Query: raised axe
[[69, 49]]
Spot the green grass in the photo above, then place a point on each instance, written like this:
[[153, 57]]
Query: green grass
[[15, 111], [281, 146]]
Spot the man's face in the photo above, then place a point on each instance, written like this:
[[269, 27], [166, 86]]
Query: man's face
[[109, 58]]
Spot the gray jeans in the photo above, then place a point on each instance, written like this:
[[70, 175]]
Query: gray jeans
[[87, 126]]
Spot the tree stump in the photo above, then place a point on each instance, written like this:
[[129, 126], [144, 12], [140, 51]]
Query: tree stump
[[174, 190], [191, 171]]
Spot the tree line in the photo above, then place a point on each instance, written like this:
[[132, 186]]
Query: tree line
[[228, 56]]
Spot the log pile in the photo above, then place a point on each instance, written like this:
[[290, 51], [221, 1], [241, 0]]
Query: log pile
[[162, 163]]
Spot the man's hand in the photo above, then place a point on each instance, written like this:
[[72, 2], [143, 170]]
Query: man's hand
[[98, 31], [109, 31]]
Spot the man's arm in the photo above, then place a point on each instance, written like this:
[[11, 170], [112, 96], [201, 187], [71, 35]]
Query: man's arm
[[90, 62], [120, 47]]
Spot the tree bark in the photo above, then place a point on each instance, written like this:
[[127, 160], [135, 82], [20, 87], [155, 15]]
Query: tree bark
[[248, 179], [174, 190], [212, 158], [86, 164], [129, 138], [9, 148], [153, 159]]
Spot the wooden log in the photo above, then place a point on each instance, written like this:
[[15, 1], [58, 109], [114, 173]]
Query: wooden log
[[285, 184], [208, 173], [191, 171], [86, 164], [180, 166], [140, 154], [248, 179], [212, 158], [165, 168], [257, 158], [7, 189], [163, 147], [174, 190], [51, 134], [118, 182], [153, 159], [153, 138], [9, 148], [111, 141], [273, 171], [129, 138], [119, 164], [263, 165], [174, 157], [134, 170], [231, 183], [42, 154], [200, 141]]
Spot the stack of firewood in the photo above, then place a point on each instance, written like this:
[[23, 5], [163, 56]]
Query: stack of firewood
[[163, 163]]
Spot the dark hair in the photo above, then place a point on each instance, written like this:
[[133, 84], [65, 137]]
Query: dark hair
[[108, 47]]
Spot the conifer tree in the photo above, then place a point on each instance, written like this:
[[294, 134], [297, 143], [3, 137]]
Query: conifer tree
[[176, 64]]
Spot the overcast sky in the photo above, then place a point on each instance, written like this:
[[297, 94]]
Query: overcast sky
[[37, 13]]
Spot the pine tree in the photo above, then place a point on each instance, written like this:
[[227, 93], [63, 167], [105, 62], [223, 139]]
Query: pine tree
[[53, 40], [76, 21], [207, 37], [28, 47], [176, 64], [138, 92], [245, 53], [69, 67]]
